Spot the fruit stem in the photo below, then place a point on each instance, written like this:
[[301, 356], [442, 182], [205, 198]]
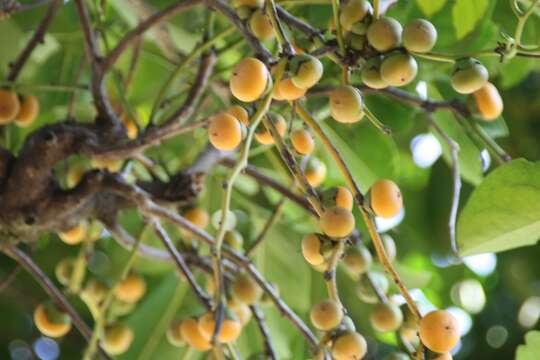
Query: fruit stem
[[376, 9], [330, 274], [339, 30], [436, 57], [522, 20], [376, 122], [79, 267], [283, 41]]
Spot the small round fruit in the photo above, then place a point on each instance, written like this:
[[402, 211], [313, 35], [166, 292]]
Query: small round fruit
[[384, 34], [311, 249], [307, 70], [357, 260], [286, 90], [365, 290], [234, 239], [174, 336], [230, 220], [302, 141], [419, 35], [117, 339], [468, 76], [349, 346], [389, 246], [315, 172], [344, 198], [225, 132], [198, 217], [488, 102], [371, 74], [264, 136], [337, 222], [63, 270], [74, 235], [189, 330], [241, 310], [245, 290], [386, 317], [131, 289], [346, 104], [326, 315], [249, 79], [397, 356], [239, 113], [261, 26], [28, 111], [230, 328], [94, 292], [386, 199], [111, 165], [9, 106], [50, 321], [439, 331], [399, 69], [352, 12], [75, 174]]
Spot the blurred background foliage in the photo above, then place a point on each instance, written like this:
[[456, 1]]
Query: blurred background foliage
[[496, 297]]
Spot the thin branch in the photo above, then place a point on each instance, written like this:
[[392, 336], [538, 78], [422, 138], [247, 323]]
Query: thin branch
[[10, 277], [258, 315], [298, 24], [267, 226]]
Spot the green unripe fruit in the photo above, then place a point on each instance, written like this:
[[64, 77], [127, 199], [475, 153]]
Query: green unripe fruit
[[64, 270], [365, 290], [371, 74], [386, 317], [244, 12], [397, 356], [261, 26], [307, 71], [468, 76], [357, 260], [384, 34], [353, 12], [419, 36], [234, 239], [389, 246], [346, 104], [399, 69]]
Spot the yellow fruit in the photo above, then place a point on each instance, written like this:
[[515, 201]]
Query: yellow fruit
[[371, 74], [468, 76], [249, 80], [189, 330], [94, 292], [445, 356], [386, 317], [311, 249], [245, 290], [364, 289], [234, 239], [439, 331], [50, 321], [111, 165], [28, 111], [239, 113], [346, 104], [344, 198], [488, 102], [386, 199], [349, 346], [63, 270], [225, 132], [117, 339], [198, 217], [75, 235], [326, 315], [352, 12], [419, 35], [260, 25], [302, 141], [307, 71], [357, 259], [131, 289], [174, 336], [230, 328], [399, 69], [264, 136], [131, 126], [337, 222], [315, 172], [242, 311], [384, 34], [9, 106], [74, 175], [286, 90]]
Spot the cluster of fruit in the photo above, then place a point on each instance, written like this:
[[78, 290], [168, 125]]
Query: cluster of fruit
[[20, 109]]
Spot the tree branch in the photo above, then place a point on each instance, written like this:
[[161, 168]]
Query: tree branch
[[258, 315]]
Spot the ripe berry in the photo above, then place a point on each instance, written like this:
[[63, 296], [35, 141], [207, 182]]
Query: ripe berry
[[28, 111], [174, 336], [286, 90], [189, 329], [468, 76], [131, 289], [315, 172], [239, 113], [50, 321], [9, 106], [245, 290], [131, 126], [111, 165], [302, 141], [386, 199], [225, 132], [439, 331], [384, 34], [249, 80], [337, 222], [354, 11], [264, 136], [260, 25], [311, 249], [399, 69], [117, 339], [419, 36], [307, 71], [348, 346], [371, 74], [364, 289], [198, 217], [230, 328], [346, 104], [386, 317], [344, 198], [488, 102], [357, 260], [74, 235], [326, 315]]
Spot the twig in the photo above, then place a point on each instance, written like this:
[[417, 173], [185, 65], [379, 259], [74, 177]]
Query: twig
[[283, 41], [267, 226], [10, 277], [298, 24], [258, 315]]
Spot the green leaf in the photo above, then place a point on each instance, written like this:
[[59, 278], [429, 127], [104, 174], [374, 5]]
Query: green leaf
[[529, 351], [466, 14], [503, 212], [430, 7]]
